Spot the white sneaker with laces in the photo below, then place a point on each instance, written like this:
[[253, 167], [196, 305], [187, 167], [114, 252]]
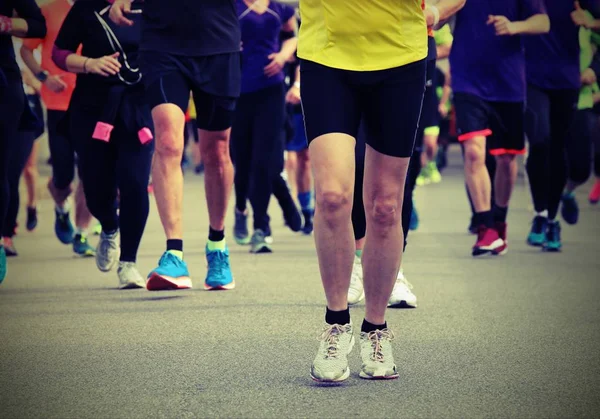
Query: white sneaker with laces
[[107, 252], [129, 276], [356, 292], [376, 355], [402, 296], [331, 363]]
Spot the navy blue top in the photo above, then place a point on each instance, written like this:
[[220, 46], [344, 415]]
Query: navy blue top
[[260, 37]]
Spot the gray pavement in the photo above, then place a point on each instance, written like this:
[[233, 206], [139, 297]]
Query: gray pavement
[[515, 336]]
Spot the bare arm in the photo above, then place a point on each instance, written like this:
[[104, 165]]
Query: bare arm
[[29, 60], [30, 22], [443, 51], [535, 25], [445, 10], [288, 48]]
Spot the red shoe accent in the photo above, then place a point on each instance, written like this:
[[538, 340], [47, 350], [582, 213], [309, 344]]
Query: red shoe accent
[[501, 229], [595, 193], [165, 283], [150, 189], [487, 241]]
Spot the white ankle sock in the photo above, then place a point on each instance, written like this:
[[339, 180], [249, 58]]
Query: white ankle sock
[[542, 214]]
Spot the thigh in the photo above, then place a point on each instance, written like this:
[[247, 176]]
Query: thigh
[[537, 116], [329, 103], [164, 80], [215, 113], [392, 108], [508, 129]]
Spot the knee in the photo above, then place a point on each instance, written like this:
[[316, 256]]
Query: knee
[[334, 204], [383, 212], [474, 155], [169, 145], [215, 148], [505, 160]]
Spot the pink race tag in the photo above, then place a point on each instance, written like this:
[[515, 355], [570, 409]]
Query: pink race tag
[[145, 135], [102, 131]]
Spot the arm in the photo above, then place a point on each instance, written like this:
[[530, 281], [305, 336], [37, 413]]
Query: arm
[[443, 51], [67, 42], [30, 23], [293, 95], [535, 25], [288, 48], [442, 11], [582, 18], [51, 81]]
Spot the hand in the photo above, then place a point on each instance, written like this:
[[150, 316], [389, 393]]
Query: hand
[[55, 83], [502, 25], [429, 18], [293, 95], [104, 66], [588, 77], [276, 65], [5, 24], [580, 17], [443, 110], [118, 10]]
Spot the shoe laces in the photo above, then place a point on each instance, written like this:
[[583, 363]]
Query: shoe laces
[[331, 336], [217, 263], [376, 338]]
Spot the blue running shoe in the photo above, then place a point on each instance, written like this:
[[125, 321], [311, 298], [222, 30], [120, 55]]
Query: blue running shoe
[[414, 220], [570, 209], [553, 242], [219, 275], [171, 274], [2, 264], [81, 246], [537, 235], [64, 228]]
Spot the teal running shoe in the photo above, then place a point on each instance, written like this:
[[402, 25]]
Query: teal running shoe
[[81, 246], [2, 264], [537, 235], [414, 220], [171, 274], [63, 228], [553, 242], [219, 275]]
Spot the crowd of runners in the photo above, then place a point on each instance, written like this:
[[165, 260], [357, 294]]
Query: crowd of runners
[[337, 109]]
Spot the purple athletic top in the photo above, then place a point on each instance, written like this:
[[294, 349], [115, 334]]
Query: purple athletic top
[[553, 58], [260, 38], [486, 65]]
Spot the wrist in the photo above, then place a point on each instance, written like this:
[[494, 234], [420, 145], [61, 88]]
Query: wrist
[[85, 70], [436, 14], [297, 84], [42, 76]]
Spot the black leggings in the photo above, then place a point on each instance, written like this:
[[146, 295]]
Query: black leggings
[[121, 165], [580, 145], [257, 129], [549, 117], [19, 154], [12, 106]]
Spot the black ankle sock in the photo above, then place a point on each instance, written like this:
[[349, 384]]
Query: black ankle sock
[[484, 218], [500, 214], [175, 244], [216, 235], [337, 317], [370, 327]]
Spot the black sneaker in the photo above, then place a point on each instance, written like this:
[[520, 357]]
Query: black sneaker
[[32, 220], [240, 228], [537, 235], [307, 228], [10, 250], [292, 217], [570, 209]]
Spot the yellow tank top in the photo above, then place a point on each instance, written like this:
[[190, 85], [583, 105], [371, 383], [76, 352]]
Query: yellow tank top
[[362, 35]]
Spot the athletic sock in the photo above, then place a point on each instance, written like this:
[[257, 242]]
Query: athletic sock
[[484, 218], [500, 214], [216, 240], [542, 214], [370, 327], [64, 209], [175, 247], [337, 317], [305, 200], [358, 253]]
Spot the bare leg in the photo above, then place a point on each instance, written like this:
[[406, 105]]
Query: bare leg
[[167, 177], [30, 173], [303, 178], [83, 217], [218, 174], [476, 174], [332, 158], [506, 176], [292, 170], [383, 196]]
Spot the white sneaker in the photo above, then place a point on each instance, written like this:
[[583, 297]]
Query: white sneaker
[[331, 362], [107, 252], [129, 276], [402, 296], [376, 354], [356, 292]]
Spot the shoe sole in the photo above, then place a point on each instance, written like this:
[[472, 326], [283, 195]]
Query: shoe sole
[[366, 376], [479, 251], [157, 282], [262, 249], [131, 286], [343, 377], [402, 304], [226, 287], [242, 241], [86, 254], [551, 249]]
